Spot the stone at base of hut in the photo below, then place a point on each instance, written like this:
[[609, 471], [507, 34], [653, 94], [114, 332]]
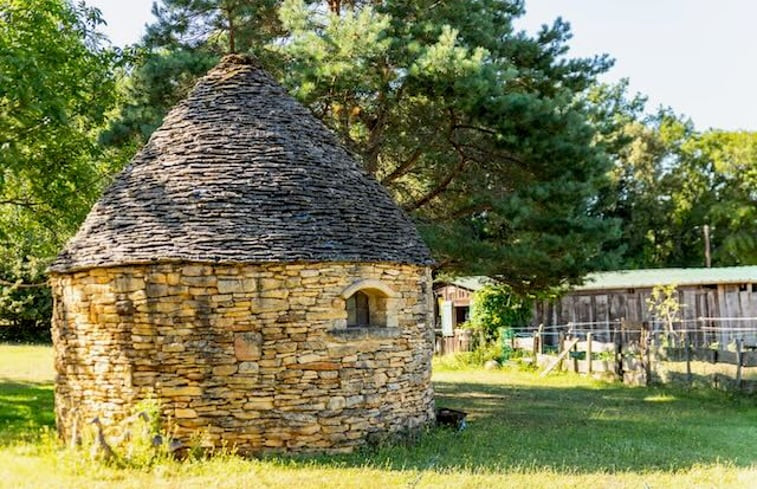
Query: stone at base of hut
[[451, 418]]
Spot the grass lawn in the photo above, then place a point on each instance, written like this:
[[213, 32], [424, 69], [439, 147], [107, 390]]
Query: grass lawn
[[563, 431]]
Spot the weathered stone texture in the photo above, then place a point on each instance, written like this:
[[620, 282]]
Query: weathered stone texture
[[240, 172], [251, 355]]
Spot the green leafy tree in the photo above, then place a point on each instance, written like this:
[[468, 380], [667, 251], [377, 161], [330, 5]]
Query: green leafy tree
[[645, 179], [732, 210], [669, 181], [55, 89]]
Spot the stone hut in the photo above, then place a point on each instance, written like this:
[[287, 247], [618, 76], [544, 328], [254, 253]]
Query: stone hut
[[248, 274]]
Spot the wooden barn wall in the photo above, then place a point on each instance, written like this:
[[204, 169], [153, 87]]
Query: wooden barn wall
[[726, 301]]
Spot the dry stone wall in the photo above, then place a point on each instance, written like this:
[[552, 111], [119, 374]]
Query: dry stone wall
[[251, 356]]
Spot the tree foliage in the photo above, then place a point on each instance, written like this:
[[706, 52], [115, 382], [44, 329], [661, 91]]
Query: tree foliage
[[478, 130], [669, 181], [664, 306], [512, 159], [56, 87], [496, 307]]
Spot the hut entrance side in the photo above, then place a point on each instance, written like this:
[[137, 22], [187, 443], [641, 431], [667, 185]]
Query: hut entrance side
[[246, 273]]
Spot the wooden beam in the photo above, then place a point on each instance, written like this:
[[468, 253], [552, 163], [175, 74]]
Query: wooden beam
[[560, 357]]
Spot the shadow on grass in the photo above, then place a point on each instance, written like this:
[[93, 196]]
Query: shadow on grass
[[25, 410], [515, 427], [577, 430]]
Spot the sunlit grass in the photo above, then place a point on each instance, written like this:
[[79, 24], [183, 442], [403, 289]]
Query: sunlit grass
[[524, 431], [660, 398], [26, 363]]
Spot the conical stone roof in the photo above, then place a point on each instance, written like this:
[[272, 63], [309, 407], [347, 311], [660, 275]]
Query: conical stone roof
[[240, 172]]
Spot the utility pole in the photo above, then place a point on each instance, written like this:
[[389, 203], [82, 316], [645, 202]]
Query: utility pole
[[707, 261]]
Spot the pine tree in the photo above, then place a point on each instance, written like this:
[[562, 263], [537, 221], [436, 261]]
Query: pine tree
[[481, 132]]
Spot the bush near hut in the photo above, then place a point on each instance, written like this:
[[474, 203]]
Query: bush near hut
[[495, 311]]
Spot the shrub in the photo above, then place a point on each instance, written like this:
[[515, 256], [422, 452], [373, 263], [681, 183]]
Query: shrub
[[497, 307]]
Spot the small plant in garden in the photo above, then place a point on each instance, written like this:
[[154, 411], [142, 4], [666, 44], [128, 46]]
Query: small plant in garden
[[664, 305]]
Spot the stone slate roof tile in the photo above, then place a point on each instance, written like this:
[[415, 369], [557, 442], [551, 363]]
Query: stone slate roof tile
[[240, 172]]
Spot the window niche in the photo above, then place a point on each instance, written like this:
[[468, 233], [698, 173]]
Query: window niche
[[359, 310], [371, 308]]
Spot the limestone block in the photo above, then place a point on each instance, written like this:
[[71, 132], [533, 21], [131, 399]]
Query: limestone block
[[261, 305], [259, 404], [342, 350], [336, 403], [223, 370], [248, 345], [318, 366], [185, 413], [310, 357], [270, 284], [199, 281], [195, 270], [188, 391], [248, 368], [127, 283], [353, 401], [230, 286], [156, 290], [274, 294]]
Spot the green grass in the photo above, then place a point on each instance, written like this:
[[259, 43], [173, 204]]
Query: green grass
[[26, 393], [563, 431]]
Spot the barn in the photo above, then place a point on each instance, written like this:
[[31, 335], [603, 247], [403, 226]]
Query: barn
[[247, 273], [720, 300]]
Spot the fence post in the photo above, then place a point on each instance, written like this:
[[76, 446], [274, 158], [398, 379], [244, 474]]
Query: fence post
[[645, 343], [560, 346], [687, 346], [541, 339], [618, 363], [588, 353], [575, 356], [739, 361], [654, 350]]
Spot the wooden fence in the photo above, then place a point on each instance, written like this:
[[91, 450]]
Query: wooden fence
[[462, 341], [693, 352], [640, 353]]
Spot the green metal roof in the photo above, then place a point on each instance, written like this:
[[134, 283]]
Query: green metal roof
[[637, 279]]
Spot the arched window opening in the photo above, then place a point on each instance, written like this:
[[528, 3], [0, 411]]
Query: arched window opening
[[358, 310], [369, 303]]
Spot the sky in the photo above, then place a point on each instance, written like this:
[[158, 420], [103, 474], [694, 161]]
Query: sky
[[695, 56]]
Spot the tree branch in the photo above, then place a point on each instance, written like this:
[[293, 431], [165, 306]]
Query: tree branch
[[20, 285], [465, 211], [475, 128], [403, 167], [20, 203], [457, 170], [335, 6]]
